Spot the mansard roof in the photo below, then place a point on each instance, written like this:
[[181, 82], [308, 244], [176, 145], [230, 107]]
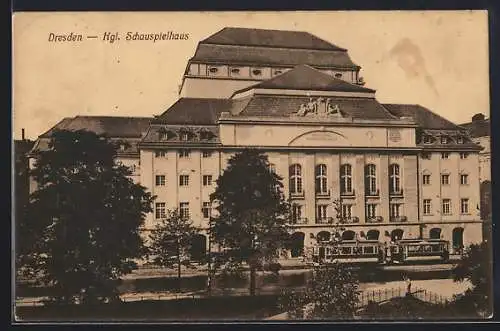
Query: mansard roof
[[424, 117], [112, 126], [269, 38], [307, 78], [194, 111]]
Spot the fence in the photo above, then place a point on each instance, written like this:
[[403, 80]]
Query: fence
[[380, 296]]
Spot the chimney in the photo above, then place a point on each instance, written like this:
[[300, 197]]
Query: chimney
[[22, 134], [478, 117]]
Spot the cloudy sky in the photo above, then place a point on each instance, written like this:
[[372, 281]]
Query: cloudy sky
[[436, 59]]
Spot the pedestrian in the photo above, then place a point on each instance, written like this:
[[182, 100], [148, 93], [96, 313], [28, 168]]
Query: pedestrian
[[408, 285]]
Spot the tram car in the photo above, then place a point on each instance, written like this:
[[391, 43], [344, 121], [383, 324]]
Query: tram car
[[349, 251], [412, 250]]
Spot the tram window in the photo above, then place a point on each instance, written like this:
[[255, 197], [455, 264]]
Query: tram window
[[346, 250], [369, 250]]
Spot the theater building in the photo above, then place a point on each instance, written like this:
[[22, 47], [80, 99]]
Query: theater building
[[399, 171]]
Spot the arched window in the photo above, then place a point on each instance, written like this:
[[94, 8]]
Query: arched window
[[323, 236], [295, 173], [321, 179], [394, 179], [435, 233], [397, 234], [345, 178], [370, 179], [372, 235], [348, 235]]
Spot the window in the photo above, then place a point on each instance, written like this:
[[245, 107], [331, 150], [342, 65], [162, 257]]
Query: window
[[160, 180], [213, 70], [206, 209], [321, 179], [427, 206], [460, 140], [160, 154], [445, 179], [296, 213], [183, 180], [446, 208], [321, 212], [272, 168], [464, 206], [257, 72], [427, 139], [445, 155], [295, 173], [371, 210], [338, 75], [394, 179], [370, 179], [207, 153], [464, 155], [346, 178], [277, 72], [207, 180], [184, 210], [184, 136], [235, 71], [464, 179], [346, 211], [183, 153], [426, 156], [395, 210], [426, 179], [160, 210], [444, 140]]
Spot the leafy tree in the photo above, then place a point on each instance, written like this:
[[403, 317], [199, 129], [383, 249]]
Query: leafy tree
[[172, 241], [475, 266], [332, 293], [252, 222], [82, 229]]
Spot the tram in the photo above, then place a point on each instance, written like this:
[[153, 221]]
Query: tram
[[407, 250], [349, 251]]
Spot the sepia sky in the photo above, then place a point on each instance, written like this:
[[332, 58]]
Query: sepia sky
[[436, 59]]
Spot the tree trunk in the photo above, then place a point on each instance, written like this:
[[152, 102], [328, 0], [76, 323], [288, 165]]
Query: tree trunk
[[252, 279], [178, 268]]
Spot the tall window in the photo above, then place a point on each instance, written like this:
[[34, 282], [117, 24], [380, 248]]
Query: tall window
[[184, 210], [426, 155], [464, 206], [445, 155], [464, 155], [395, 210], [426, 179], [184, 153], [207, 153], [183, 180], [272, 168], [295, 173], [160, 180], [321, 212], [321, 179], [446, 208], [160, 154], [464, 179], [160, 210], [394, 179], [346, 178], [370, 179], [296, 213], [427, 206], [445, 179], [371, 210], [206, 209], [207, 180], [346, 211]]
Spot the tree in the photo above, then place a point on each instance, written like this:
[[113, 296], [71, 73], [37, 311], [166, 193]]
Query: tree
[[332, 293], [252, 222], [82, 230], [475, 266], [171, 242]]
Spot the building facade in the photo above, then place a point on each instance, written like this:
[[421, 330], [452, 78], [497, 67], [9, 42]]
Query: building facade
[[398, 171]]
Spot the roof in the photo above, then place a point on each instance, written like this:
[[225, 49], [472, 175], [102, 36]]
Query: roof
[[269, 38], [195, 111], [304, 77], [478, 128], [424, 117], [279, 106], [112, 126], [256, 55]]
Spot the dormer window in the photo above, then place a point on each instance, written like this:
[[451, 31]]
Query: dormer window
[[235, 71], [460, 140], [122, 147], [444, 140], [427, 139], [257, 72], [277, 72], [162, 135], [184, 136], [213, 70], [338, 75]]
